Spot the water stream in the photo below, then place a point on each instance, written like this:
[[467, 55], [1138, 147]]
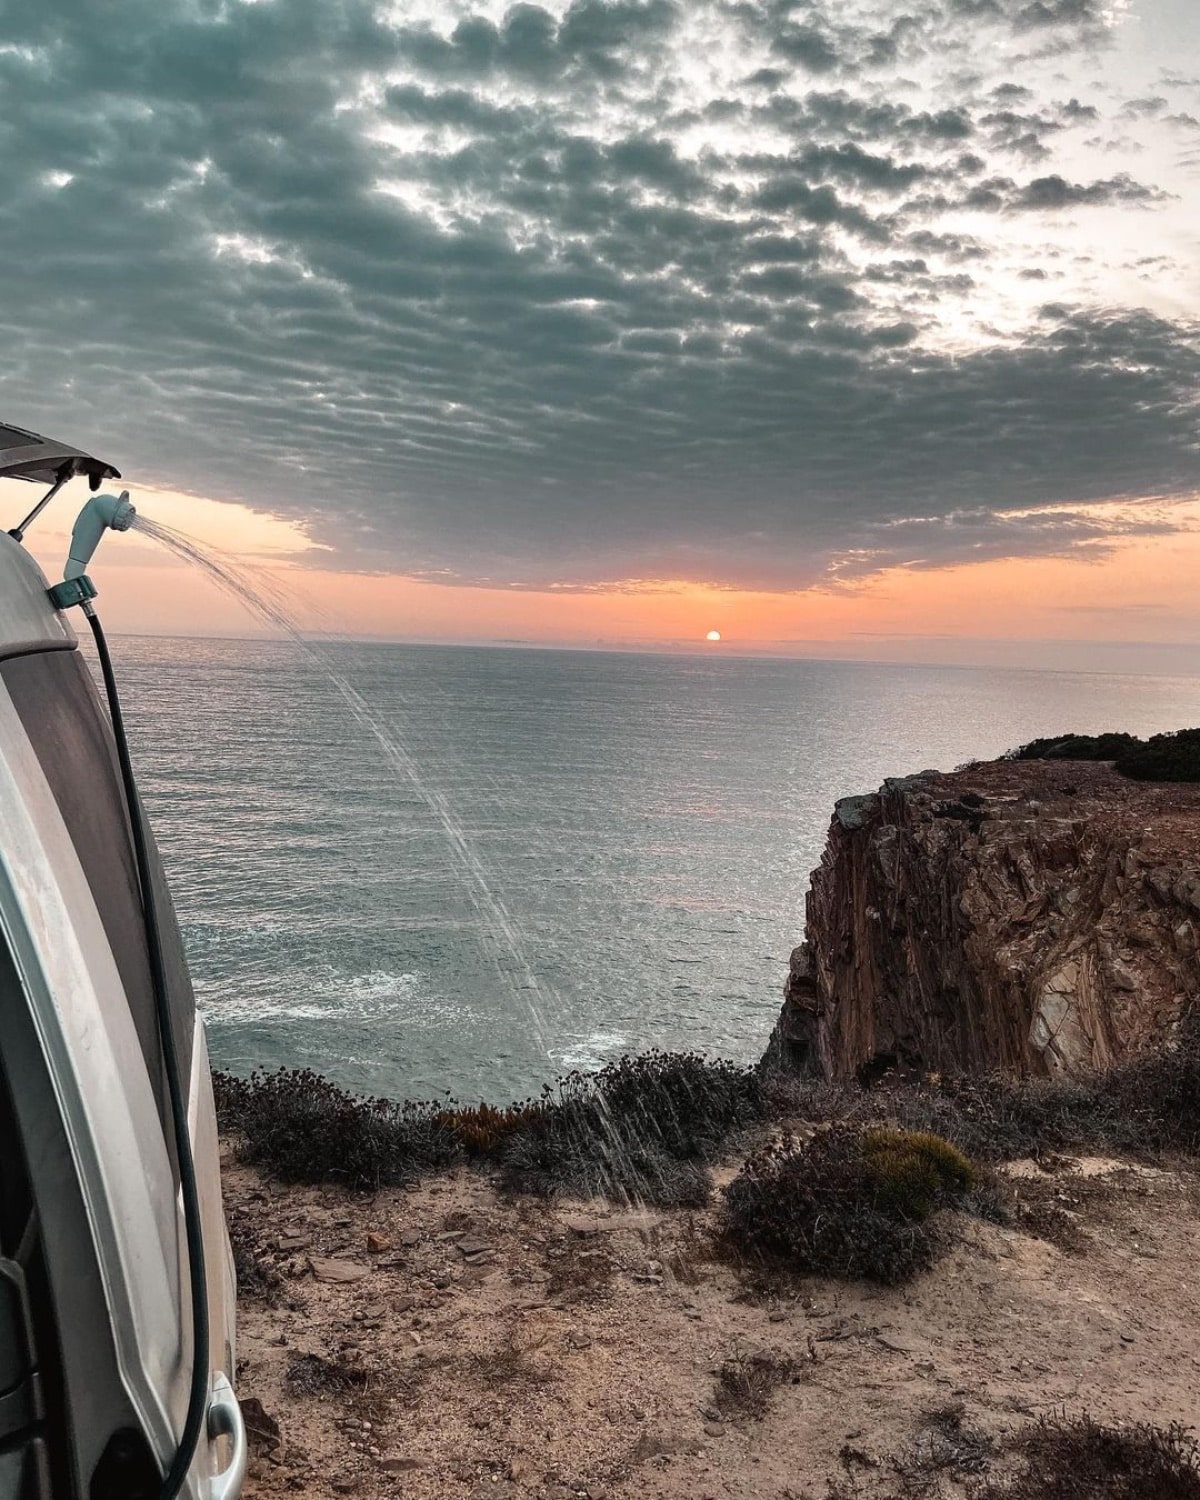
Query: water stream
[[501, 931]]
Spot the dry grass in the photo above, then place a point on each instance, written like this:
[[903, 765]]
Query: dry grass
[[746, 1384], [314, 1375], [578, 1273], [946, 1446], [1078, 1458], [517, 1359]]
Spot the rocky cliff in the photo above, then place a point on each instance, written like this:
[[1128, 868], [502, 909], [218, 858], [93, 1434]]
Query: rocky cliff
[[1036, 916]]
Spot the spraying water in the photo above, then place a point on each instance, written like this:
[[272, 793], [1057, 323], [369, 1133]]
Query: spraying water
[[268, 602], [611, 1154]]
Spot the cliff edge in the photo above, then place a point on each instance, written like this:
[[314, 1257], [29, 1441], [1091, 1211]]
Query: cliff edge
[[1036, 916]]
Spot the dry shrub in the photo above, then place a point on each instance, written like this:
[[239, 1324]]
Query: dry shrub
[[482, 1130], [302, 1128], [680, 1102], [1078, 1458], [255, 1270], [641, 1129], [946, 1444], [746, 1383], [850, 1203], [313, 1375], [1144, 1107]]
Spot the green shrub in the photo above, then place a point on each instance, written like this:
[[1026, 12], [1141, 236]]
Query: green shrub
[[1110, 746], [848, 1202], [1164, 757], [1077, 1458], [911, 1172]]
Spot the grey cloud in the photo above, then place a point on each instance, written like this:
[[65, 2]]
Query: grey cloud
[[850, 163], [1075, 113], [1011, 93], [818, 205], [1051, 194], [1056, 192], [544, 340], [1143, 109], [1043, 14], [982, 535], [593, 36], [808, 46]]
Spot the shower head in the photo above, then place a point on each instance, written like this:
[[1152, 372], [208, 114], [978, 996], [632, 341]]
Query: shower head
[[100, 513]]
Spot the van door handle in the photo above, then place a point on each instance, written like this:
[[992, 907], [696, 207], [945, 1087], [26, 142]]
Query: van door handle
[[225, 1420]]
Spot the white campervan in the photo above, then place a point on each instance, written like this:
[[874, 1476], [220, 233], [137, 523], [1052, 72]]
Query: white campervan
[[116, 1283]]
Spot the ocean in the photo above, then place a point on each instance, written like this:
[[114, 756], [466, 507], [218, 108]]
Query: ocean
[[534, 860]]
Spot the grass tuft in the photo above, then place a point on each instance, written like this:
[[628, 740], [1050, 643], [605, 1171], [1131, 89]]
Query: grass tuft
[[746, 1383]]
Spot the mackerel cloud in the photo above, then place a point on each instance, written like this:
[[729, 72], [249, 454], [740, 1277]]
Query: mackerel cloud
[[754, 294]]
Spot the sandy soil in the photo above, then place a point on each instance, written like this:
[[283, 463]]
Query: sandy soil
[[494, 1350]]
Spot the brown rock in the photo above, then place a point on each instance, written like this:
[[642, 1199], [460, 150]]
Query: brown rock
[[584, 1227], [970, 921], [377, 1243], [262, 1430], [337, 1270]]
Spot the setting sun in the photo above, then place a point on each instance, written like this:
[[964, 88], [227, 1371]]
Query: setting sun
[[713, 635]]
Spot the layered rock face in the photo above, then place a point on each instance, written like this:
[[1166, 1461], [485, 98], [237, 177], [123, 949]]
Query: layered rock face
[[1037, 916]]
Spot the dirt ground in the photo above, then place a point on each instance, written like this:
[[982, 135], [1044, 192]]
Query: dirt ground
[[472, 1347]]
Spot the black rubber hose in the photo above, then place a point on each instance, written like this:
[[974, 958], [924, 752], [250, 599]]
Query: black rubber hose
[[198, 1400]]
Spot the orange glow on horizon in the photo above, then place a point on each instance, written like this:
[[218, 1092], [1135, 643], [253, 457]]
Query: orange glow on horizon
[[1142, 590]]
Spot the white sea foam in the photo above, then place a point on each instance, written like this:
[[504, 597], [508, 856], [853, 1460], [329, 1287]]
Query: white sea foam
[[591, 1052]]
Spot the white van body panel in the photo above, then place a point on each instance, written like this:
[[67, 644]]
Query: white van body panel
[[69, 978]]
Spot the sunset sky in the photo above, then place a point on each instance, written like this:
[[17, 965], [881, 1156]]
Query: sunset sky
[[856, 329]]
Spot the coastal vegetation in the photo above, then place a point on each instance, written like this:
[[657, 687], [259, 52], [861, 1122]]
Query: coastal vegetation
[[1163, 757], [859, 1197], [1146, 1107], [642, 1129]]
